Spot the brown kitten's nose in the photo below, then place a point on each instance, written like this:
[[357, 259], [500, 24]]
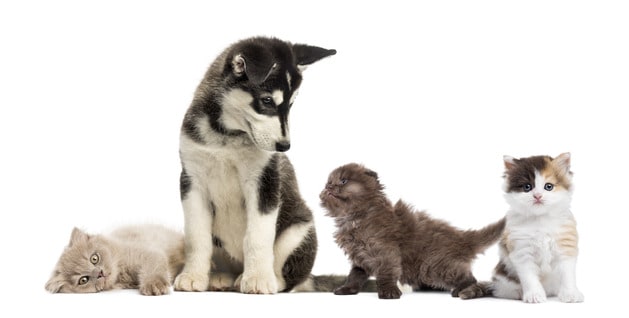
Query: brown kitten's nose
[[100, 274]]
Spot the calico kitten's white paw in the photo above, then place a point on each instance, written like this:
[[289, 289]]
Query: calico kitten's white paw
[[155, 286], [222, 282], [570, 296], [534, 296], [192, 282], [257, 283]]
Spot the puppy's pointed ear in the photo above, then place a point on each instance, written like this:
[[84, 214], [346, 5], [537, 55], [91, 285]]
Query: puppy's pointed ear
[[306, 54], [254, 61]]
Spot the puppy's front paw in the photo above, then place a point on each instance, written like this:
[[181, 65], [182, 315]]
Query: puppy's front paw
[[258, 283], [570, 296], [187, 281], [155, 286]]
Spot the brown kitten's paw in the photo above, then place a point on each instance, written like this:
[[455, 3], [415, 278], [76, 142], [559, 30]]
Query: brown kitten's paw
[[346, 290], [389, 293], [473, 291], [155, 286]]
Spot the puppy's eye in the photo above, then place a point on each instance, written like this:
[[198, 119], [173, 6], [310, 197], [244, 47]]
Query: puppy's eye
[[267, 101], [549, 187], [94, 259], [527, 187], [83, 280], [343, 181]]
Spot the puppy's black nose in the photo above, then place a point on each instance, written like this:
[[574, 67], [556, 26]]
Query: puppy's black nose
[[282, 146]]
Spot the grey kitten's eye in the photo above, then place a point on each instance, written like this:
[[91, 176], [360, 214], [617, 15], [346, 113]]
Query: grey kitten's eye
[[343, 181], [527, 187], [267, 101], [549, 187], [83, 280], [94, 259]]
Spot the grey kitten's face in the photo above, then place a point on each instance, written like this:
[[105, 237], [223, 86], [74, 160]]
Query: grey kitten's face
[[346, 185], [85, 266]]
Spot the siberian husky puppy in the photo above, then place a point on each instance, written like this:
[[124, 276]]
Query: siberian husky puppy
[[241, 202]]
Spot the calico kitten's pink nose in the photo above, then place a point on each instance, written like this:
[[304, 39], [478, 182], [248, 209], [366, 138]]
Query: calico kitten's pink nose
[[537, 196]]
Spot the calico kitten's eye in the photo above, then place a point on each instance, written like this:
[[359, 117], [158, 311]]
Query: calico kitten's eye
[[527, 187], [267, 101], [83, 280], [549, 187], [94, 259], [343, 181]]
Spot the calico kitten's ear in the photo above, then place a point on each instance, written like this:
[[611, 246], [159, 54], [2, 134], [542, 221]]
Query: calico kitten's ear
[[78, 236], [55, 283], [255, 61], [563, 162], [509, 162]]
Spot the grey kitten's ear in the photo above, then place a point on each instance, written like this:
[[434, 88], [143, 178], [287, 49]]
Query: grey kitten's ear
[[254, 61], [78, 236], [307, 54], [563, 162], [55, 283], [371, 173], [509, 162]]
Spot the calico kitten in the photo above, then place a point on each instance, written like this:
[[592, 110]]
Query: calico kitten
[[147, 257], [396, 244], [538, 252]]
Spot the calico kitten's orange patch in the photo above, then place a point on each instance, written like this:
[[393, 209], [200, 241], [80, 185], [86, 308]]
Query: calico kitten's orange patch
[[567, 239]]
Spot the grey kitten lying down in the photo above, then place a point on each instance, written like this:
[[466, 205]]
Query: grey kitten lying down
[[145, 257]]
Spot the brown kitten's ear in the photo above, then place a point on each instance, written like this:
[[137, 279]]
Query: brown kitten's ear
[[55, 283], [509, 162], [563, 162], [371, 173], [78, 236]]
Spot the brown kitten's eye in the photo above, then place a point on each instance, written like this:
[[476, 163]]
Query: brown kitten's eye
[[549, 187], [94, 259], [343, 181], [83, 280], [527, 187]]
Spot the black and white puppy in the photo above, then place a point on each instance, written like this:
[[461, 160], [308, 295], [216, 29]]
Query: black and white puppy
[[241, 202]]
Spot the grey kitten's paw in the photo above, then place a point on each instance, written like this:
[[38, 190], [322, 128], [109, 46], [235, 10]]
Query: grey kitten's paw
[[346, 290], [155, 286], [389, 293], [192, 282]]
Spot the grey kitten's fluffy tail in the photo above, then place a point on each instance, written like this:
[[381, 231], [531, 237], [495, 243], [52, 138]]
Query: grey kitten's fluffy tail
[[328, 283], [481, 239]]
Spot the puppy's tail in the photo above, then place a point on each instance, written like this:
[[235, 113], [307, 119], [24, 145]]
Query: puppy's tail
[[328, 283], [480, 240]]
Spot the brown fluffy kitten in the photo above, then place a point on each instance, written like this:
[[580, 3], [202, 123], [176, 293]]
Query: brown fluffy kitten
[[146, 257], [395, 243]]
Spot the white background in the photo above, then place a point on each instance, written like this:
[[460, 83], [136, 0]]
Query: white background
[[431, 96]]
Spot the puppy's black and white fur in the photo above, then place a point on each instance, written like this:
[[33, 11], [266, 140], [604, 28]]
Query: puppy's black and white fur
[[241, 203]]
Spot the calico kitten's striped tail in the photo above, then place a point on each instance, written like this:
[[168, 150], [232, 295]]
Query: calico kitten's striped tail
[[328, 283], [477, 290]]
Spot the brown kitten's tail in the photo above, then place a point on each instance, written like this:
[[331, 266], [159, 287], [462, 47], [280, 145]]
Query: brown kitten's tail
[[328, 283], [481, 239], [477, 290]]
